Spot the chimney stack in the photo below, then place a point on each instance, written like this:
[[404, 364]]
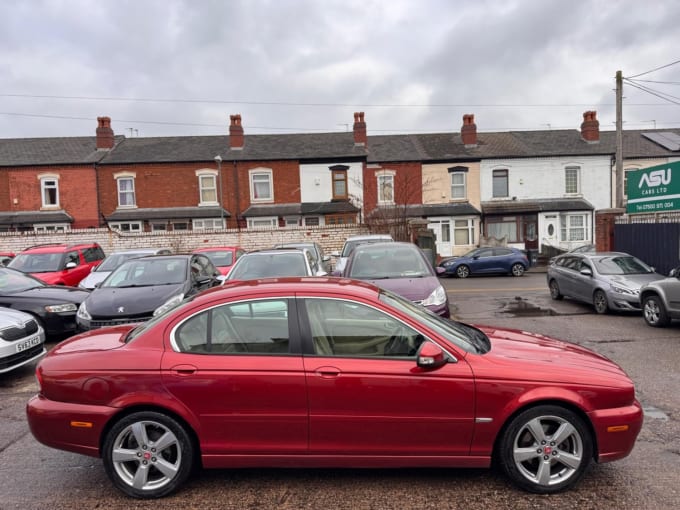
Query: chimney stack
[[235, 132], [468, 132], [590, 127], [360, 137], [104, 134]]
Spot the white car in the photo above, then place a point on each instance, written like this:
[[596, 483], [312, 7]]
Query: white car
[[114, 260], [22, 340], [353, 242], [275, 263]]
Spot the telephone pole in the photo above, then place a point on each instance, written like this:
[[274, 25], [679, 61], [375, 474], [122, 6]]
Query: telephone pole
[[619, 140]]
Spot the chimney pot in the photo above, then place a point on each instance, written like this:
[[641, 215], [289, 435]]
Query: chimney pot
[[468, 132], [590, 127], [360, 137], [236, 139], [105, 139]]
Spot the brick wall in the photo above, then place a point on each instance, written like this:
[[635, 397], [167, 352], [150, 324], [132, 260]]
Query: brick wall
[[330, 238], [604, 228]]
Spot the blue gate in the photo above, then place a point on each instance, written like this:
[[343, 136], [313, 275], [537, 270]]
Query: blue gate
[[655, 241]]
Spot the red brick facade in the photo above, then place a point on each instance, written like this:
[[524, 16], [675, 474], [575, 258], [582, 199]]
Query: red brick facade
[[408, 187]]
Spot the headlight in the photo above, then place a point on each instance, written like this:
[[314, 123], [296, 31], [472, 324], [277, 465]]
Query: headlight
[[170, 303], [624, 290], [438, 297], [83, 313], [68, 307]]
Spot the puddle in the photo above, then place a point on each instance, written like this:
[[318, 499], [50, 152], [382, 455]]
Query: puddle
[[519, 307], [654, 413]]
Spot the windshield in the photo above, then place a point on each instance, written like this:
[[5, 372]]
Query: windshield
[[350, 245], [37, 262], [116, 259], [220, 258], [146, 272], [12, 282], [466, 337], [626, 264], [373, 262], [269, 265]]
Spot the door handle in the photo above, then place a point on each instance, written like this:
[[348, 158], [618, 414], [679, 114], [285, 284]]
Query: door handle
[[184, 369], [327, 372]]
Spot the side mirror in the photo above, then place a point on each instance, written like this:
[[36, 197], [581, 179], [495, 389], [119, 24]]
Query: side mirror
[[430, 356], [335, 254], [326, 258], [675, 272], [71, 265], [586, 271], [440, 270]]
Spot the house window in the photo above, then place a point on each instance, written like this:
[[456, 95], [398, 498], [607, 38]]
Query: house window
[[159, 226], [269, 222], [463, 232], [385, 188], [292, 221], [312, 221], [503, 227], [49, 191], [571, 179], [261, 185], [207, 186], [340, 184], [180, 225], [127, 226], [574, 228], [126, 191], [54, 227], [208, 223], [500, 183], [340, 219], [458, 185]]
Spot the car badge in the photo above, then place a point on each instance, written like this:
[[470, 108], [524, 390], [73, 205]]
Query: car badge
[[121, 309]]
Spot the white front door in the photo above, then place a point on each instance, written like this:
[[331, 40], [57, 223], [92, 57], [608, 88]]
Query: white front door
[[442, 235]]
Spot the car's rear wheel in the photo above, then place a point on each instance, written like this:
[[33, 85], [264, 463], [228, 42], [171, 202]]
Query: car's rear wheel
[[462, 271], [600, 302], [545, 449], [517, 269], [654, 312], [555, 290], [148, 455]]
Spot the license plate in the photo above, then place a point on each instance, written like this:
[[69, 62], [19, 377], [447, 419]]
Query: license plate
[[27, 344]]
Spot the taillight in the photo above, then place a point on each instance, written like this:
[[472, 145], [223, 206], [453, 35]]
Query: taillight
[[39, 377]]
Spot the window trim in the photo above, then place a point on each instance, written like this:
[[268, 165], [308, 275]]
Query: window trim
[[272, 220], [117, 226], [252, 173], [382, 175], [453, 185], [198, 223], [500, 173], [43, 188], [339, 174], [577, 170], [124, 176], [201, 175]]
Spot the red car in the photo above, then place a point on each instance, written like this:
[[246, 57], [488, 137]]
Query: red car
[[328, 372], [59, 264], [222, 256]]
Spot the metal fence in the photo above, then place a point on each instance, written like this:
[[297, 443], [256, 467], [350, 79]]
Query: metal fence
[[653, 239]]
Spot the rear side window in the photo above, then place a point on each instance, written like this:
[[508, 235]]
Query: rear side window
[[93, 254]]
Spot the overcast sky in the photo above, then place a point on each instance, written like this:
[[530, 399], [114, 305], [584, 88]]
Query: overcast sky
[[181, 67]]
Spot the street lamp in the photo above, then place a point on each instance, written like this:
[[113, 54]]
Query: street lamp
[[218, 160]]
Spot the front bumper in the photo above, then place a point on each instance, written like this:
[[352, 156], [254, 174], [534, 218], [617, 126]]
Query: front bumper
[[616, 431]]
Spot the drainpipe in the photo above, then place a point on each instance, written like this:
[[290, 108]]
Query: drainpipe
[[238, 196]]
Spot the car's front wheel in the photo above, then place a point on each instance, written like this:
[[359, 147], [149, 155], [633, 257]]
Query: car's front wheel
[[517, 269], [545, 449], [148, 455], [600, 302], [462, 271], [654, 312]]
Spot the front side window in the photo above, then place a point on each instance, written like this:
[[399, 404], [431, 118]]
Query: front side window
[[348, 329], [246, 328], [386, 188], [500, 183], [49, 190], [571, 179], [261, 185], [340, 184], [126, 192], [207, 184], [574, 228], [458, 189]]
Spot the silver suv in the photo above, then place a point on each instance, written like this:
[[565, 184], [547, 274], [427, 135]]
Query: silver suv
[[351, 243], [660, 300]]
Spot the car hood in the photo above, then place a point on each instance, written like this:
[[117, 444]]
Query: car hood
[[413, 289], [93, 279], [634, 281], [56, 294], [108, 301], [13, 318], [538, 357]]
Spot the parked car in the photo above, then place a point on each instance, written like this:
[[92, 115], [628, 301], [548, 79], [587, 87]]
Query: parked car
[[59, 264], [54, 306], [607, 280], [660, 300], [585, 248], [224, 257], [275, 263], [351, 243], [348, 375], [114, 260], [401, 268], [324, 261], [22, 340], [142, 288], [486, 260], [6, 257]]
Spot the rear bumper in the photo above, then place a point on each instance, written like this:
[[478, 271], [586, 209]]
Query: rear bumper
[[616, 431]]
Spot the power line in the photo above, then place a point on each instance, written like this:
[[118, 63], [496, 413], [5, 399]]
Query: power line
[[652, 70], [666, 97]]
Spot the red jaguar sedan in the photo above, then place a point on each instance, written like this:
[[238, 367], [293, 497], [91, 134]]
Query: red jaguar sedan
[[328, 372]]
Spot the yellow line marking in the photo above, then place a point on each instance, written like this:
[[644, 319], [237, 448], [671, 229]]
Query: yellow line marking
[[504, 289]]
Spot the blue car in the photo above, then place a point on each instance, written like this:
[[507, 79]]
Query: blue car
[[487, 261]]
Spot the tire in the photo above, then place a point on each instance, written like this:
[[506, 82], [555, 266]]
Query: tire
[[462, 271], [600, 302], [555, 290], [654, 312], [517, 269], [545, 449], [156, 467]]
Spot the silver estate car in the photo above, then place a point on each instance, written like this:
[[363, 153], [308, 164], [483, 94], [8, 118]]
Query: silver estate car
[[607, 280]]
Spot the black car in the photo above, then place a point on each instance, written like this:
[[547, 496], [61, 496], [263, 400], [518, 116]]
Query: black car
[[54, 306], [145, 287]]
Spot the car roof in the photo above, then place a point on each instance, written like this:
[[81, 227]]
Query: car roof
[[369, 236], [378, 246], [56, 247], [216, 248], [140, 250], [276, 251]]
